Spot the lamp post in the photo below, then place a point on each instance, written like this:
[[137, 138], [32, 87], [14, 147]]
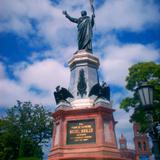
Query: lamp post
[[145, 93]]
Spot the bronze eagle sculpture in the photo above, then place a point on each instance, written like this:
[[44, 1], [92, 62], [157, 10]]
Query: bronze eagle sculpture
[[101, 91], [61, 94]]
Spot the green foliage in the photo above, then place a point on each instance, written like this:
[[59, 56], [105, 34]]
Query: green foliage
[[143, 72], [9, 140], [23, 131], [29, 148], [29, 158], [127, 102], [149, 73]]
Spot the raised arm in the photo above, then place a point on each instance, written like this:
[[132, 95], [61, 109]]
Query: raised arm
[[74, 20]]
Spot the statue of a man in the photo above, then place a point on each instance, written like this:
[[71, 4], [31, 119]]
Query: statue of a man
[[84, 25]]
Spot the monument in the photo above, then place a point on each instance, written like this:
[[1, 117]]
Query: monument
[[84, 126]]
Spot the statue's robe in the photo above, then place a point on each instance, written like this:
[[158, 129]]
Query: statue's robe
[[85, 25]]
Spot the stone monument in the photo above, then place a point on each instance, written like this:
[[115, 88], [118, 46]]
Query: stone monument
[[84, 126]]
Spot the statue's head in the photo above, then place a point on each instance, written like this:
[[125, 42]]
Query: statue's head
[[83, 13]]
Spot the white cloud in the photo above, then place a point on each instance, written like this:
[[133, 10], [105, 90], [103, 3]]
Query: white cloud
[[51, 26], [38, 17], [62, 54], [44, 75], [119, 58], [11, 91], [127, 14]]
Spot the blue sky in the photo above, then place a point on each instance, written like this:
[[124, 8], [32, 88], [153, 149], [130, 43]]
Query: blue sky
[[36, 42]]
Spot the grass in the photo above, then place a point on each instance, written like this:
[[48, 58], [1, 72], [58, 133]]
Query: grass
[[28, 158]]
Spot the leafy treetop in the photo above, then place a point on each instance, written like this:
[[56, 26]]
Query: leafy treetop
[[149, 73]]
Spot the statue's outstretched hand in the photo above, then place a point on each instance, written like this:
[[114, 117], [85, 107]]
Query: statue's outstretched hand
[[64, 12]]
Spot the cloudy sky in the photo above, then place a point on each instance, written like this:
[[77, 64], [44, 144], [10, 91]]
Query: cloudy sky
[[36, 42]]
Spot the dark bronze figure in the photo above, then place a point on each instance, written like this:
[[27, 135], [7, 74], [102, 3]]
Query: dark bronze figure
[[101, 91], [84, 25], [61, 94], [82, 86]]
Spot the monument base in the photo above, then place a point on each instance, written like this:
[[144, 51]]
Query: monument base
[[84, 134]]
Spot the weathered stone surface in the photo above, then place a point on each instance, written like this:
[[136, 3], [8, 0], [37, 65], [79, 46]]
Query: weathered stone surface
[[90, 64], [104, 146], [82, 103]]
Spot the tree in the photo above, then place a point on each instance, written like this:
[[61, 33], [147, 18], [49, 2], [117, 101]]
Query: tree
[[147, 72], [28, 126], [9, 140]]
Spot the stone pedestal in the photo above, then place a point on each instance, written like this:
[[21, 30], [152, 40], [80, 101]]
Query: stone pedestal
[[87, 62], [84, 124], [84, 134]]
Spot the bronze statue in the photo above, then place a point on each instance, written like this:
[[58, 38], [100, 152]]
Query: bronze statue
[[84, 25], [101, 91], [81, 86], [61, 94]]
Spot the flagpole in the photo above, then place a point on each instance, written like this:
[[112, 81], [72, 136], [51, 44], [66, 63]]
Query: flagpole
[[92, 7]]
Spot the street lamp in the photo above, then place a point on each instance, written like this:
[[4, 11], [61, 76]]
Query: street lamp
[[145, 93]]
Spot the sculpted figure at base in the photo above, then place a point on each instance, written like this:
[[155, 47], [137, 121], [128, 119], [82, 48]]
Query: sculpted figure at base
[[84, 25], [61, 94], [101, 91]]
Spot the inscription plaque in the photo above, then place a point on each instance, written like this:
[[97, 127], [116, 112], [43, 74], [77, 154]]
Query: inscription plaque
[[81, 131]]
